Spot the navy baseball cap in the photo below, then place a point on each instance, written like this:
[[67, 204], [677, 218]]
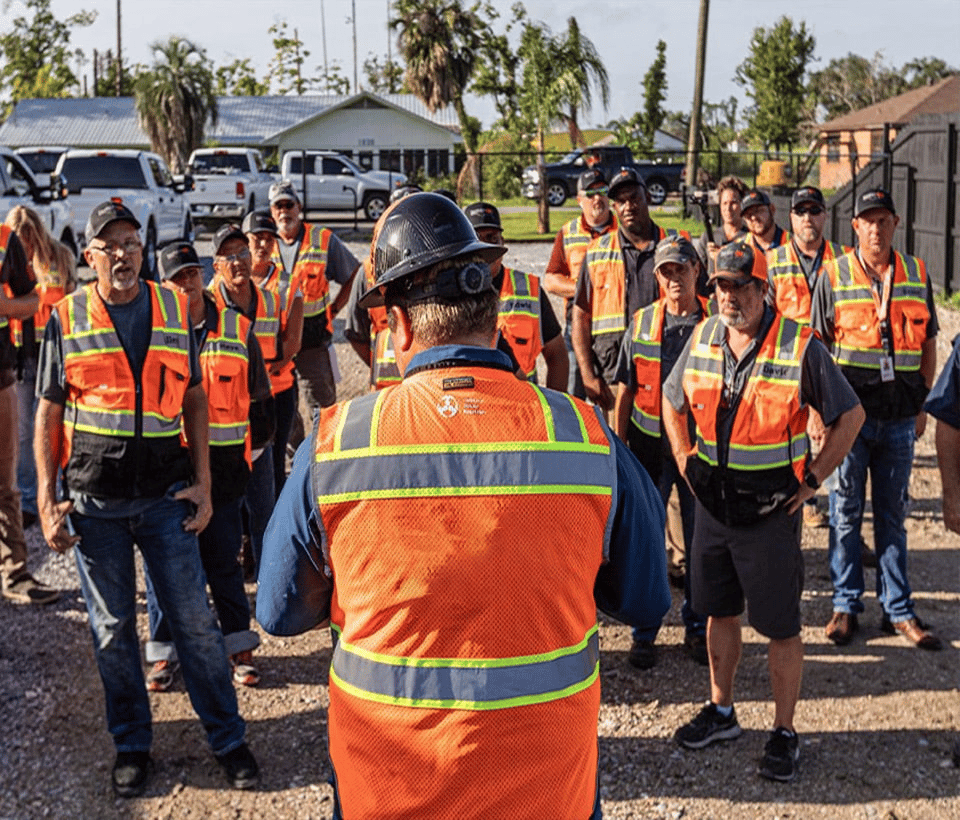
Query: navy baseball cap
[[104, 214], [483, 215], [625, 176], [875, 198], [807, 194], [753, 199], [175, 257], [226, 232]]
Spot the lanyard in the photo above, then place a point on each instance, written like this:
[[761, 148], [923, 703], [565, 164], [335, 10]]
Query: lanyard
[[882, 303]]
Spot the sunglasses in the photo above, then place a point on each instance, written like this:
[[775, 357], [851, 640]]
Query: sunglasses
[[283, 204], [592, 192], [813, 210]]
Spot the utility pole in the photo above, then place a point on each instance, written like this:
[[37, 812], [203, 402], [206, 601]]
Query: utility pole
[[693, 138], [119, 59], [389, 53], [356, 85], [323, 32], [297, 61], [96, 67]]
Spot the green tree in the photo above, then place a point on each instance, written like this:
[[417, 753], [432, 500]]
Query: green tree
[[238, 79], [286, 67], [36, 52], [853, 82], [654, 93], [773, 75], [496, 72], [382, 77], [925, 71], [175, 99], [580, 70], [440, 41], [106, 85], [331, 81]]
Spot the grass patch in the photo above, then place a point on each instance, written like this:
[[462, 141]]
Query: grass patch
[[522, 227]]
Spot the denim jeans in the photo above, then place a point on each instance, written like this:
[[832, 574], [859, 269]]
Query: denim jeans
[[259, 502], [574, 378], [105, 561], [219, 547], [885, 448], [670, 476], [27, 408]]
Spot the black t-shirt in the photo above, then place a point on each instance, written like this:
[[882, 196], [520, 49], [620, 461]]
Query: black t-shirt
[[13, 272]]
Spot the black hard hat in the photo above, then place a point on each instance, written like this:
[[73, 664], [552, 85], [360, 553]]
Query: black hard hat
[[422, 230]]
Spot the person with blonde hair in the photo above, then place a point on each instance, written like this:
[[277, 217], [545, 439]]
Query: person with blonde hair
[[52, 265]]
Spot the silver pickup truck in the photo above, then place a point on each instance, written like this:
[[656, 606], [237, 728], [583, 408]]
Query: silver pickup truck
[[227, 183]]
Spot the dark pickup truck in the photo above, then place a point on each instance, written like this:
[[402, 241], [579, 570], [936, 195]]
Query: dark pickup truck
[[661, 177]]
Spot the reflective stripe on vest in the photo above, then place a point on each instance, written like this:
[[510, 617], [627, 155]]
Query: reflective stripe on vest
[[384, 370], [266, 325], [769, 431], [577, 238], [224, 361], [790, 287], [519, 318], [310, 271], [5, 234], [279, 283], [857, 338]]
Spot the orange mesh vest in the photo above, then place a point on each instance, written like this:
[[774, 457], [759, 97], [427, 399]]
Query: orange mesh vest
[[310, 272], [645, 355], [383, 362], [122, 430], [519, 318], [426, 491], [266, 325], [224, 362], [789, 282], [769, 432], [275, 282], [577, 238]]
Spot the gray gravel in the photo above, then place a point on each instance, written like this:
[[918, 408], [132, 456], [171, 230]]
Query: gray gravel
[[877, 718]]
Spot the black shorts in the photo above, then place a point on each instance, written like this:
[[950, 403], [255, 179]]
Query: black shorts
[[761, 563]]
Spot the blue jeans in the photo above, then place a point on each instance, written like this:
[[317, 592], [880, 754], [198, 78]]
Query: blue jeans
[[670, 477], [259, 502], [574, 378], [26, 408], [106, 564], [885, 448], [219, 547]]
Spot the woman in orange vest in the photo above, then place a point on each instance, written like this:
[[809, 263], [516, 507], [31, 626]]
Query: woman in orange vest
[[52, 265]]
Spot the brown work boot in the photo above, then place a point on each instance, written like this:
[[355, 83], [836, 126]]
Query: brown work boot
[[28, 590], [814, 518], [915, 631], [841, 628]]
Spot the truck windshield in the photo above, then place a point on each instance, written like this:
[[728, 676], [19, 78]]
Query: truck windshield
[[41, 162], [220, 164], [102, 172]]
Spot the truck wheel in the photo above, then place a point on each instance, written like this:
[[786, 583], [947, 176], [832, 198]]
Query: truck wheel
[[374, 206], [657, 189], [148, 268], [556, 194]]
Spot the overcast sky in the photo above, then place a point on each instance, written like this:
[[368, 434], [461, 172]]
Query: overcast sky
[[624, 31]]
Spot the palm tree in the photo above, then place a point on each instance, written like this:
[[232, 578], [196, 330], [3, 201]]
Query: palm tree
[[440, 42], [175, 99], [580, 69]]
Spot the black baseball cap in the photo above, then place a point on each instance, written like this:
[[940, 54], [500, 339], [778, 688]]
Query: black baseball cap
[[225, 232], [483, 215], [677, 249], [104, 214], [753, 199], [875, 198], [625, 176], [594, 176], [739, 261], [259, 222], [175, 257], [807, 194]]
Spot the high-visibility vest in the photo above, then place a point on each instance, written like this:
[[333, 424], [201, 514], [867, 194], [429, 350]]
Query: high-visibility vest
[[310, 272], [384, 370], [769, 431], [645, 358], [122, 430], [225, 364], [791, 291], [577, 237], [266, 324], [519, 318], [857, 340], [275, 282], [425, 491], [609, 282]]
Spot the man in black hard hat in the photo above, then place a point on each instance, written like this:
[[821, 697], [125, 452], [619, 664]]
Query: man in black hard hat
[[422, 518]]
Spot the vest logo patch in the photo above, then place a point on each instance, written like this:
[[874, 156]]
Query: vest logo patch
[[169, 339], [458, 383], [773, 371], [447, 406]]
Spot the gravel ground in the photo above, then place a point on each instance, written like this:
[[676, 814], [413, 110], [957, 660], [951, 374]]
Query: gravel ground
[[877, 718]]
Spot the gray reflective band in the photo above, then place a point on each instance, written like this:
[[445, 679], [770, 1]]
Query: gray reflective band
[[356, 432], [462, 684], [567, 424]]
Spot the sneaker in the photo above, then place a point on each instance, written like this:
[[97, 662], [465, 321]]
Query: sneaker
[[244, 672], [696, 646], [28, 590], [160, 678], [130, 772], [642, 655], [708, 727], [780, 756], [240, 767]]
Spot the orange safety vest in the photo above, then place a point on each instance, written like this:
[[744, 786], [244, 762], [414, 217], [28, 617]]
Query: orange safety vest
[[275, 282], [770, 429], [310, 271], [857, 340], [791, 291], [645, 355], [424, 675], [122, 433], [607, 277], [577, 237], [266, 324], [519, 318]]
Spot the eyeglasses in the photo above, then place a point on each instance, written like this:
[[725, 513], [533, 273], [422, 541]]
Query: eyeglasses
[[239, 256], [129, 247], [813, 210], [592, 192], [283, 204]]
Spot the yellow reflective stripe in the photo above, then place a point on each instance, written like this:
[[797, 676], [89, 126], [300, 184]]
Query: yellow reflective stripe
[[452, 492]]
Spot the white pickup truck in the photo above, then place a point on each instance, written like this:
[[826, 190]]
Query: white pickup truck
[[19, 186], [335, 183], [142, 182], [227, 183]]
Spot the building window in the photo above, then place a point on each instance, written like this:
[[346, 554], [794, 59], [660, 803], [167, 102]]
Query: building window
[[833, 148], [365, 160], [438, 162], [389, 159], [412, 160], [876, 142]]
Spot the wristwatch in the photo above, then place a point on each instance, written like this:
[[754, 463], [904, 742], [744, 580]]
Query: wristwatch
[[811, 480]]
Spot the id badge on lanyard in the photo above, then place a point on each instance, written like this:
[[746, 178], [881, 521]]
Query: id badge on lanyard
[[886, 337]]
